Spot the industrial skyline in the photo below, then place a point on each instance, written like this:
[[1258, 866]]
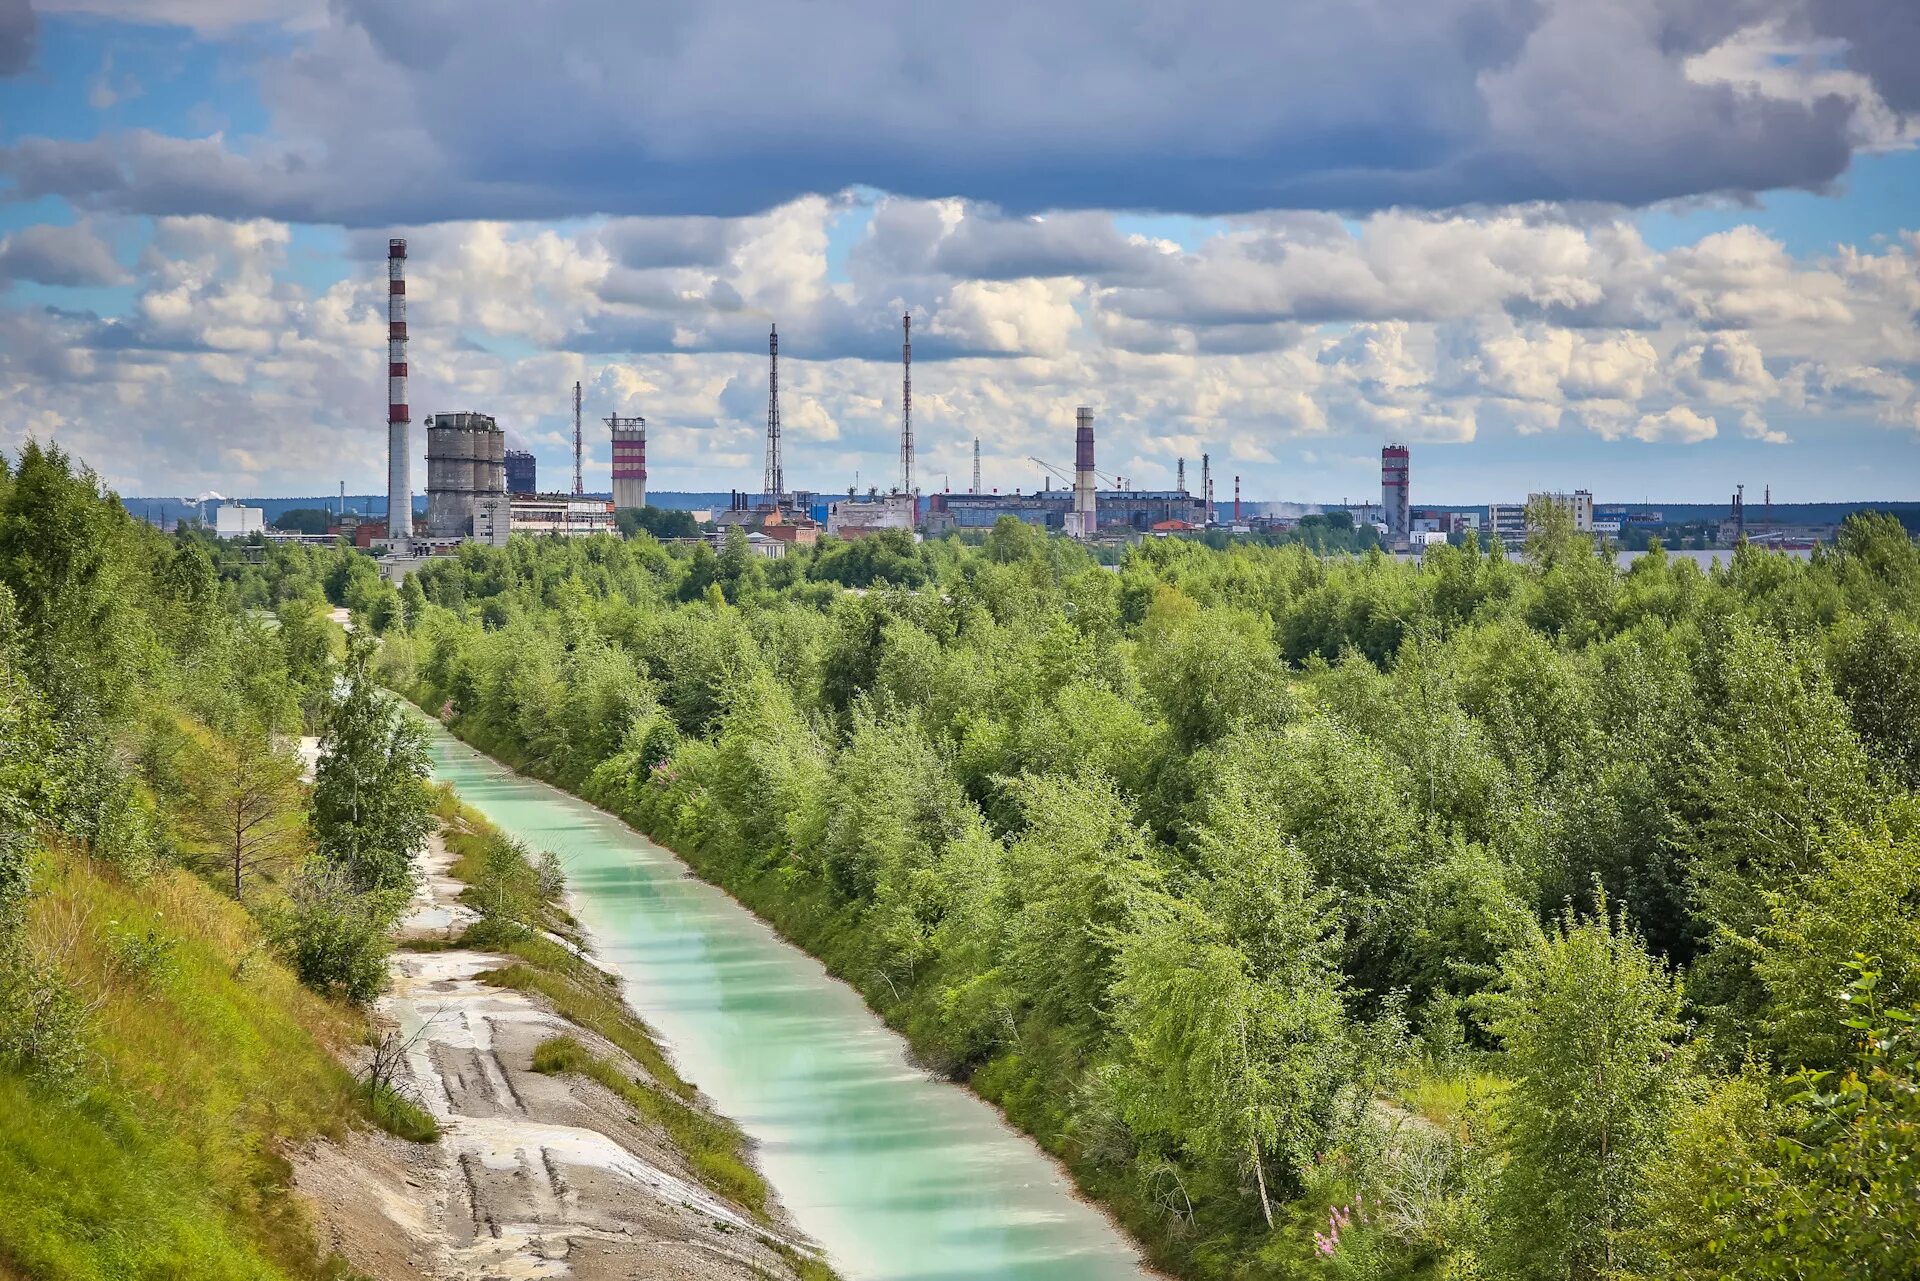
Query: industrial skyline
[[1728, 295], [471, 492]]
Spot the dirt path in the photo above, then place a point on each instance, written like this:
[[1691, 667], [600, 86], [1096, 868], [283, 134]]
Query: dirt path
[[534, 1175]]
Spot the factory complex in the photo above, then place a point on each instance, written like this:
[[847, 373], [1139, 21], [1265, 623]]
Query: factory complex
[[478, 490]]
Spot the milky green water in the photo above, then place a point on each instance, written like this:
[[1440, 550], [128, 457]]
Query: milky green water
[[896, 1174]]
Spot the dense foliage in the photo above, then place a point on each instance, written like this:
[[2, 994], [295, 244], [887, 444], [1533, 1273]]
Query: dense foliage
[[1481, 917], [157, 1056]]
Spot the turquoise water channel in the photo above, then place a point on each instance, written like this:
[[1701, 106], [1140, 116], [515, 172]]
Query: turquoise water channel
[[895, 1173]]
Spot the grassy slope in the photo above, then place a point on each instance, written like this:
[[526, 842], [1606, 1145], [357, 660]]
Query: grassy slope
[[206, 1057]]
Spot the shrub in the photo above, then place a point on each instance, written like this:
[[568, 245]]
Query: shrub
[[138, 955], [336, 936], [42, 1024]]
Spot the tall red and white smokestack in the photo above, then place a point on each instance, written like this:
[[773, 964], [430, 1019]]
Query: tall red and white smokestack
[[1084, 520], [399, 476], [906, 403], [1395, 471], [1236, 500]]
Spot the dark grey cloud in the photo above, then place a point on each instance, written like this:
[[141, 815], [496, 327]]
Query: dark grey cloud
[[1884, 41], [1071, 244], [670, 242], [50, 255], [494, 108], [18, 35]]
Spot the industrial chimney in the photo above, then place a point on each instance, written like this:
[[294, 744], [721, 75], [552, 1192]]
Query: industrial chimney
[[1084, 520], [1395, 472], [399, 478], [629, 461]]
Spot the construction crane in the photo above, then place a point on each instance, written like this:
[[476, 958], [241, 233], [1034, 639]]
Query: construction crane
[[1112, 482]]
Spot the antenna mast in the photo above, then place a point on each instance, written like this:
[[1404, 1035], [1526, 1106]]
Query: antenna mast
[[906, 403], [776, 479], [579, 486], [976, 464]]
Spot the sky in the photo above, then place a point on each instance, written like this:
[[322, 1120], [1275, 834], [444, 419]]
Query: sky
[[1651, 248]]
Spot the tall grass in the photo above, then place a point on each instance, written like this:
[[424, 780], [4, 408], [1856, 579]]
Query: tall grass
[[204, 1061]]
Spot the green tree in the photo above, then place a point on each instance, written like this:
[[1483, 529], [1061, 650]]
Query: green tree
[[1809, 1178], [1072, 877], [413, 602], [1228, 1006], [1863, 900], [64, 555], [660, 522], [304, 520], [1876, 670], [1211, 670], [1012, 539], [350, 578], [246, 806], [335, 931], [371, 808], [1591, 1028], [1778, 763]]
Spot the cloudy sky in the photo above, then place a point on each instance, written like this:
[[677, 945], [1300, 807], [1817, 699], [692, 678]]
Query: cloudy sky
[[1649, 247]]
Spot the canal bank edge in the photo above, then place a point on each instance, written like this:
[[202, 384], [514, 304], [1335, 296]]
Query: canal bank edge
[[568, 1145]]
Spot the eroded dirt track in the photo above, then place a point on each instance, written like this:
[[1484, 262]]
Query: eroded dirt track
[[534, 1175]]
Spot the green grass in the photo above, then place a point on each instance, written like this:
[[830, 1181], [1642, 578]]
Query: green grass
[[1449, 1099], [399, 1115], [166, 1160], [712, 1146], [599, 1011]]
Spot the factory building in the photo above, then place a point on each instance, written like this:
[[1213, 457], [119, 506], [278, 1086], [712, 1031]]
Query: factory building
[[466, 462], [1578, 504], [1046, 509], [1507, 523], [565, 515], [852, 517], [1120, 511], [1443, 520], [521, 472], [232, 520], [1144, 509]]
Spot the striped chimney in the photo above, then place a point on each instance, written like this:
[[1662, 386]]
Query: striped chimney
[[399, 478]]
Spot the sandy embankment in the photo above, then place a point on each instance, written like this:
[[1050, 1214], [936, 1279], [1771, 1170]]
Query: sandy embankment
[[533, 1175]]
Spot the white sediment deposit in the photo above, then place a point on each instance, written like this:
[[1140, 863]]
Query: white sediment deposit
[[534, 1175]]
